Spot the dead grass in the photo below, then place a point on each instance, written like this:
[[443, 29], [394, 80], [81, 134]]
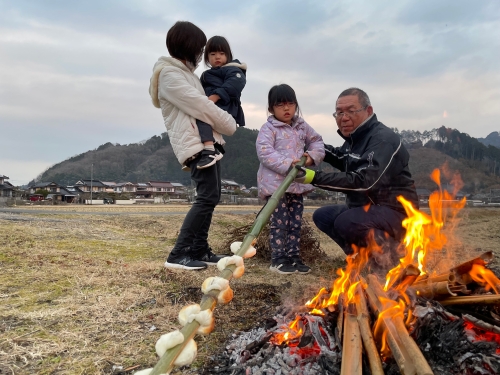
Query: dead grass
[[81, 293]]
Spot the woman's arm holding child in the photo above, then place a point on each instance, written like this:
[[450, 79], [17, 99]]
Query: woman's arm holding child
[[174, 88]]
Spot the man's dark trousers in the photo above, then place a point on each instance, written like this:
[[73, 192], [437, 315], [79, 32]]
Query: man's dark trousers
[[348, 226]]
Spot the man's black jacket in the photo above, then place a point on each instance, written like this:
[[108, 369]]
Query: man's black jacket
[[228, 82], [373, 166]]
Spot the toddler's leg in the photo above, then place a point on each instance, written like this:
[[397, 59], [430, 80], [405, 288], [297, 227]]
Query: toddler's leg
[[209, 155], [295, 208], [278, 224]]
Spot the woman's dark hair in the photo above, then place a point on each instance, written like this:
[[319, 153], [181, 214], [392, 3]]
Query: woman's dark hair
[[185, 41], [217, 44], [281, 94]]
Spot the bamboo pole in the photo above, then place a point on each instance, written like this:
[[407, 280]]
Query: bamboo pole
[[465, 267], [448, 276], [366, 333], [416, 356], [351, 349], [209, 300], [401, 356], [436, 291], [484, 299]]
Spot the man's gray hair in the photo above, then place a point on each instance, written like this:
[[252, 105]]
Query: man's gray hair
[[363, 98]]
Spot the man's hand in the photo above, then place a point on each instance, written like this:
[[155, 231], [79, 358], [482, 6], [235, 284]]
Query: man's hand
[[305, 176]]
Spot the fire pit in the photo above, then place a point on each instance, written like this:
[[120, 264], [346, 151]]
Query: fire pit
[[418, 318]]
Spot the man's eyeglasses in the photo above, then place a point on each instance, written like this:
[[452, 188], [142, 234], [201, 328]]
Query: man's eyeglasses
[[339, 115], [285, 104]]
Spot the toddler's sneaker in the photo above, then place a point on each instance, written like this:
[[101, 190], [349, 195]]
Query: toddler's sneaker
[[299, 265], [282, 265], [208, 158], [219, 154]]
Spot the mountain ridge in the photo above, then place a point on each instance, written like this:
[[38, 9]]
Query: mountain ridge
[[153, 159]]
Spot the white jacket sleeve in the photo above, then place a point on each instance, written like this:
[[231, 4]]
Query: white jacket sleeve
[[174, 88]]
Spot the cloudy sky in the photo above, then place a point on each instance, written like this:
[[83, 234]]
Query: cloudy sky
[[75, 74]]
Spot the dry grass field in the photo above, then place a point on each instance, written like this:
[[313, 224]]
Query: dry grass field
[[83, 290]]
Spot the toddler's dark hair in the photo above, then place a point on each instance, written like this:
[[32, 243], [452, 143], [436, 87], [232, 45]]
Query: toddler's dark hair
[[281, 94], [217, 44], [185, 41]]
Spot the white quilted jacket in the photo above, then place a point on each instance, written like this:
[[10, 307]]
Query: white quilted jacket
[[178, 92]]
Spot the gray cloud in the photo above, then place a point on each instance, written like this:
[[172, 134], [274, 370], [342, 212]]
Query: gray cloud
[[74, 75]]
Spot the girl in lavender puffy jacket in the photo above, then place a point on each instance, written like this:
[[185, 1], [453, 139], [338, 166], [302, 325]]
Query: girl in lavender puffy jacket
[[281, 142]]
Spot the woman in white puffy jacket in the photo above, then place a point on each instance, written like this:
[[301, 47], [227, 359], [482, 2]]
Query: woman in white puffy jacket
[[178, 92]]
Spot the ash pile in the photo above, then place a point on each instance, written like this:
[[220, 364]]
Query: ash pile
[[452, 344]]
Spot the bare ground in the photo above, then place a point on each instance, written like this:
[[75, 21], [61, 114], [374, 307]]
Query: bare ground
[[87, 294]]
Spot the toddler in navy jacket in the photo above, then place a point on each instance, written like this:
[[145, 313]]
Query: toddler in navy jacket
[[223, 84]]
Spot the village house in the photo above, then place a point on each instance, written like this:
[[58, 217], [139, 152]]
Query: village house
[[6, 188], [85, 186], [229, 186]]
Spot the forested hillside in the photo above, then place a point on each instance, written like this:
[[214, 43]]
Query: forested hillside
[[153, 159]]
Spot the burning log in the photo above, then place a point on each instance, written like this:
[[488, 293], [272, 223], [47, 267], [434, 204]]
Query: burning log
[[437, 290], [465, 267], [366, 333], [426, 279], [351, 350], [406, 352]]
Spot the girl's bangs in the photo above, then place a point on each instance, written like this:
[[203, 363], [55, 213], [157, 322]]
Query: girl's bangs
[[283, 95]]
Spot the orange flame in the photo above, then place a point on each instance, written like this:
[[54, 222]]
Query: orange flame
[[485, 277], [288, 333], [423, 231]]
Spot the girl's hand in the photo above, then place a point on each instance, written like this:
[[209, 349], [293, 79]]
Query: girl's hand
[[214, 98], [295, 161], [309, 160]]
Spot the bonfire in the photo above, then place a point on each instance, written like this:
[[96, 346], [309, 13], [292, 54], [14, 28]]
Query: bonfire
[[416, 328]]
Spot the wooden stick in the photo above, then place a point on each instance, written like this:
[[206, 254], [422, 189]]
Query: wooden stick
[[484, 299], [415, 355], [436, 291], [340, 319], [351, 349], [366, 333]]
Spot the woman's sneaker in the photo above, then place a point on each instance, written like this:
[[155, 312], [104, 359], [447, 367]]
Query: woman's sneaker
[[210, 258], [184, 262], [300, 266], [282, 265], [208, 158]]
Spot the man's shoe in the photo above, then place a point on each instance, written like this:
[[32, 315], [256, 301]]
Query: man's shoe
[[208, 158], [299, 265], [184, 262], [282, 265], [210, 258]]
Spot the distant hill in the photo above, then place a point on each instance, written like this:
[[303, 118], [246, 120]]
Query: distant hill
[[154, 159], [492, 139], [478, 164]]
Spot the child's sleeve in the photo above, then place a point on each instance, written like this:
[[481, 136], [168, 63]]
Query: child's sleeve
[[268, 156], [234, 83], [314, 145]]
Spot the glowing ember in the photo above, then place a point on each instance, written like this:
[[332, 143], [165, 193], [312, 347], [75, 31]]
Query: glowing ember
[[480, 334]]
